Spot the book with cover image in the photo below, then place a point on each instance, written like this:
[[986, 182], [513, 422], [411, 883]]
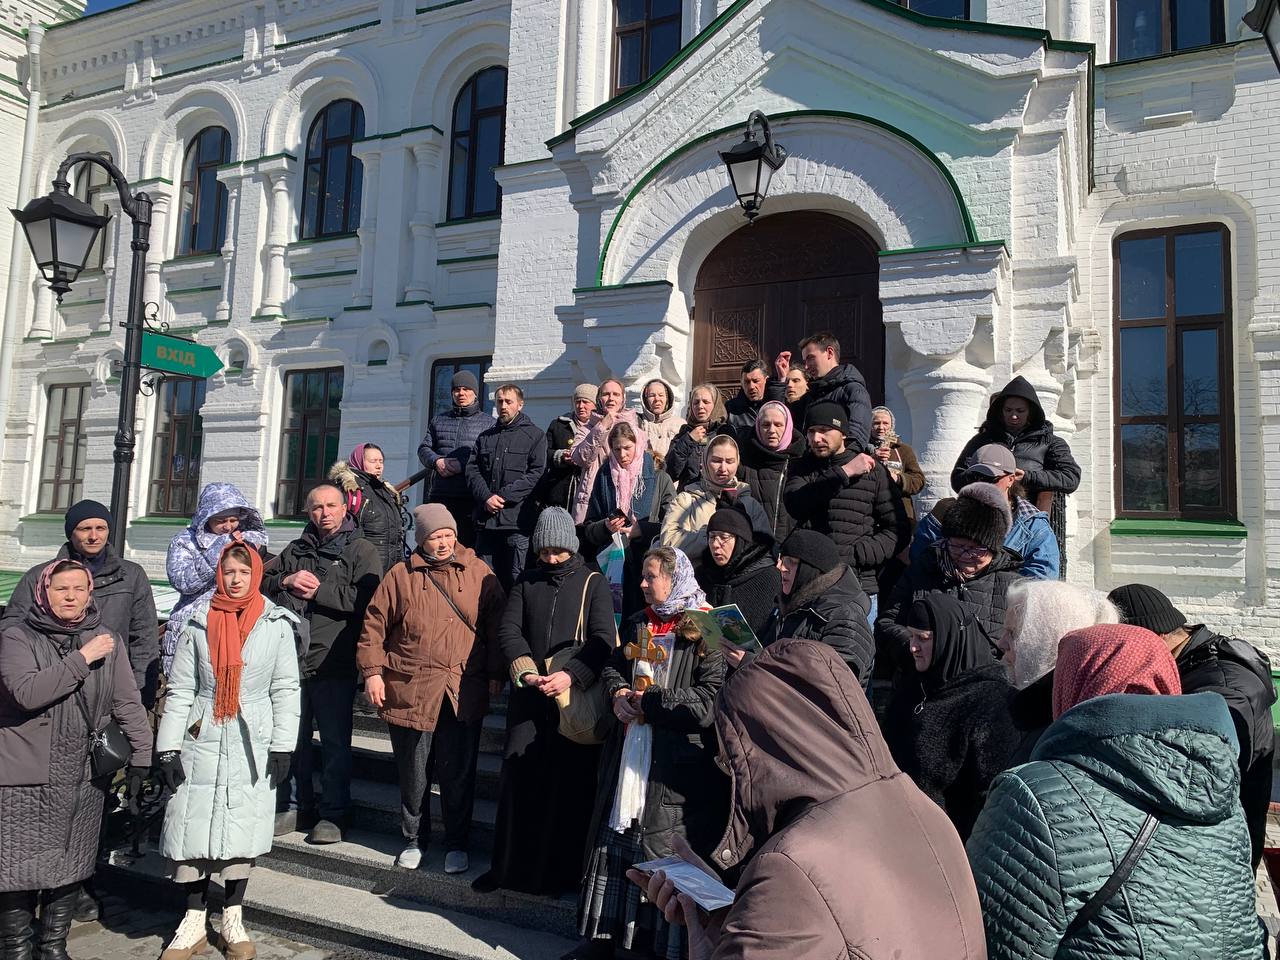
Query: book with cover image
[[725, 625]]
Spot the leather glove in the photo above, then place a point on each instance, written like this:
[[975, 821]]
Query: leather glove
[[169, 770], [134, 778], [278, 762]]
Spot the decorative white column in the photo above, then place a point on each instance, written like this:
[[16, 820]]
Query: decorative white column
[[279, 177], [370, 155], [159, 240], [947, 399], [110, 241], [42, 313], [422, 225], [232, 179]]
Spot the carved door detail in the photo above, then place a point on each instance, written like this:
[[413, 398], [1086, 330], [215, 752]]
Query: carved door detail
[[772, 283]]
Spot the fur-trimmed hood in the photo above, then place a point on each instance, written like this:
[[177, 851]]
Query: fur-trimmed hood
[[348, 478]]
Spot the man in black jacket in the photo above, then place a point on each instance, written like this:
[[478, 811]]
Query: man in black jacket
[[850, 497], [1208, 662], [447, 449], [757, 388], [326, 577], [509, 460], [839, 383]]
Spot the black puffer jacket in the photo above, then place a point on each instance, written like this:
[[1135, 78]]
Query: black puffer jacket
[[750, 579], [985, 596], [453, 434], [509, 460], [767, 472], [832, 609], [743, 412], [376, 511], [863, 514], [1211, 663], [685, 455], [1046, 458], [1032, 712], [846, 386]]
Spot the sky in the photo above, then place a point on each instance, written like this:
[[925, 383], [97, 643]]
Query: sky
[[95, 6]]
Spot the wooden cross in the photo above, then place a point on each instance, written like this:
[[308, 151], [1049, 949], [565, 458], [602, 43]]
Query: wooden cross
[[647, 653]]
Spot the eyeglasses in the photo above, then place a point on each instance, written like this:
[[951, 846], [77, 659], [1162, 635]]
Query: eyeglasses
[[720, 538], [967, 553]]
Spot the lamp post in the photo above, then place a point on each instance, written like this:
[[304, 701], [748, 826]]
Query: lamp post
[[61, 230], [752, 164], [1264, 18]]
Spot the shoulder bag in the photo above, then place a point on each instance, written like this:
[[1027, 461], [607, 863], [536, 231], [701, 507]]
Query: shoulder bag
[[585, 716], [109, 748], [449, 600], [1117, 878]]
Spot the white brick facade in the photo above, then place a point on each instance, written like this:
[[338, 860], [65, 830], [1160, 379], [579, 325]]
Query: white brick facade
[[993, 166]]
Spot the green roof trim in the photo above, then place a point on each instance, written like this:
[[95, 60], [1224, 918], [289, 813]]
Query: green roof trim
[[376, 363], [1203, 48], [1180, 529], [311, 240], [358, 308], [441, 6], [399, 133], [624, 286], [459, 222], [477, 259], [80, 303], [971, 233], [9, 580], [200, 66], [185, 291], [285, 522], [327, 36], [416, 303], [84, 96], [265, 317], [270, 156], [940, 247], [14, 97], [463, 306], [290, 322], [323, 276]]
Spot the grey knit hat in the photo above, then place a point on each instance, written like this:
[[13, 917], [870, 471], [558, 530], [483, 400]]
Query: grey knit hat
[[555, 530]]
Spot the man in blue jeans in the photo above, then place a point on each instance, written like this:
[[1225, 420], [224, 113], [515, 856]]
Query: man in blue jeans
[[326, 577]]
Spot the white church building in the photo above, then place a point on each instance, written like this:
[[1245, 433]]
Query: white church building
[[356, 198]]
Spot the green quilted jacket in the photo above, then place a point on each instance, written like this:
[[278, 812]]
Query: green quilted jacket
[[1054, 829]]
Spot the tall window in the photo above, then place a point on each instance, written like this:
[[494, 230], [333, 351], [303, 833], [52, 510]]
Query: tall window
[[1147, 28], [90, 179], [950, 9], [1174, 442], [204, 197], [62, 463], [309, 440], [442, 372], [479, 116], [333, 178], [175, 476], [646, 34]]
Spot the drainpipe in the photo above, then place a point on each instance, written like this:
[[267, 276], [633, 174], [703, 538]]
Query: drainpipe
[[18, 254]]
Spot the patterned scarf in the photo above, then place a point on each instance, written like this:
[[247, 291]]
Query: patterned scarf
[[685, 592], [230, 621], [42, 589], [1111, 658]]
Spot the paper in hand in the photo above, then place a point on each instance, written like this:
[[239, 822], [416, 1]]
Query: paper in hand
[[707, 892]]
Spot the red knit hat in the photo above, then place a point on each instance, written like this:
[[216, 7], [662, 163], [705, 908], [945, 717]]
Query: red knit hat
[[1111, 658]]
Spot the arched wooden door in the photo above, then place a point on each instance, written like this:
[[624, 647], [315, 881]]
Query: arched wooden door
[[772, 283]]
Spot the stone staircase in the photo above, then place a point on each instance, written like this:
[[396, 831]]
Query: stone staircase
[[352, 897]]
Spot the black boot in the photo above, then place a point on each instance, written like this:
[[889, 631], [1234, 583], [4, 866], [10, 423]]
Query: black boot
[[16, 912], [56, 910], [86, 908]]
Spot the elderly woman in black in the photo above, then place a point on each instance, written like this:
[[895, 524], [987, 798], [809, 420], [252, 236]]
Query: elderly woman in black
[[737, 567], [61, 677]]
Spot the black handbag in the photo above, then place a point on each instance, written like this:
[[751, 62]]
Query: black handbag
[[109, 748]]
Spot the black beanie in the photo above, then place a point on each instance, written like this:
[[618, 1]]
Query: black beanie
[[981, 513], [85, 510], [814, 550], [1144, 606], [730, 518]]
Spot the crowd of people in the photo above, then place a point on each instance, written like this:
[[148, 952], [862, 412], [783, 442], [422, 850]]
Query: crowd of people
[[938, 747]]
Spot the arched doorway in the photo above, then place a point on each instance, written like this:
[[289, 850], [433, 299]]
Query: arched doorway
[[770, 284]]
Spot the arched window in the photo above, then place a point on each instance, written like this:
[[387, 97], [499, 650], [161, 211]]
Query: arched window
[[89, 182], [333, 177], [646, 34], [479, 117], [204, 197]]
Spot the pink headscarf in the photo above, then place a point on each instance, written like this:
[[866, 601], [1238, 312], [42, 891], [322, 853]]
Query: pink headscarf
[[788, 431], [46, 577], [356, 460], [626, 478], [1111, 658]]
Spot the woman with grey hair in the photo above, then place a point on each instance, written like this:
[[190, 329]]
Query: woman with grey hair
[[1038, 614]]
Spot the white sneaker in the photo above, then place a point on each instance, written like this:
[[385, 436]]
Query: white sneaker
[[457, 861], [190, 939], [410, 857], [235, 939]]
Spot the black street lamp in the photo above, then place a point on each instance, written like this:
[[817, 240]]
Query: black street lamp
[[61, 230], [752, 164], [1264, 18]]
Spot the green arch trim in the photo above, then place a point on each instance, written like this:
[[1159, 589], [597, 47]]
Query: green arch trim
[[971, 234]]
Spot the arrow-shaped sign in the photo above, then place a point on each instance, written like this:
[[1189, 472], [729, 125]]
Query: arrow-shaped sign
[[176, 355]]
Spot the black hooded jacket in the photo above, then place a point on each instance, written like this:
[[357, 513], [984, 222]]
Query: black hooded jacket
[[832, 609], [1045, 457], [750, 579], [845, 385], [767, 472], [743, 412]]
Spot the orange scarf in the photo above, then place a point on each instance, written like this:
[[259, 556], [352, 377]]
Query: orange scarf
[[229, 623]]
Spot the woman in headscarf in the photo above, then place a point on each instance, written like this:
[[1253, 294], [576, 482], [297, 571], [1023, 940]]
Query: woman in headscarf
[[631, 497], [1126, 772], [226, 740], [704, 418], [948, 723], [372, 502], [590, 453], [768, 451], [222, 512], [659, 778], [659, 417], [60, 674], [737, 567], [685, 525]]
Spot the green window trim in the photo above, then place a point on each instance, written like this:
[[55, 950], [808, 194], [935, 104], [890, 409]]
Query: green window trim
[[1180, 529]]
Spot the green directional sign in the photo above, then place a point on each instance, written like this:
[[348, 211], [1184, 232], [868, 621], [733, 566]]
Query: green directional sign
[[176, 355]]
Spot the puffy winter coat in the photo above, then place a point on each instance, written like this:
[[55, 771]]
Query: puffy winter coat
[[845, 858], [832, 609], [122, 594], [556, 488], [742, 413], [862, 514], [453, 435], [192, 561], [1046, 458], [1031, 537], [375, 507], [590, 452], [846, 386], [661, 430], [685, 526], [766, 472], [414, 639], [508, 460], [1055, 829], [226, 808], [750, 579], [685, 455]]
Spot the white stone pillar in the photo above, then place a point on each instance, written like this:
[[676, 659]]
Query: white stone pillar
[[232, 179], [370, 155], [159, 244], [422, 224], [42, 313], [110, 243], [279, 176], [947, 399]]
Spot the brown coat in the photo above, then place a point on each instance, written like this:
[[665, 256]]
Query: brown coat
[[416, 642], [844, 856], [910, 480]]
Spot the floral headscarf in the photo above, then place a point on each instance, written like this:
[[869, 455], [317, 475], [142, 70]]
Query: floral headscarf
[[685, 592], [42, 589]]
